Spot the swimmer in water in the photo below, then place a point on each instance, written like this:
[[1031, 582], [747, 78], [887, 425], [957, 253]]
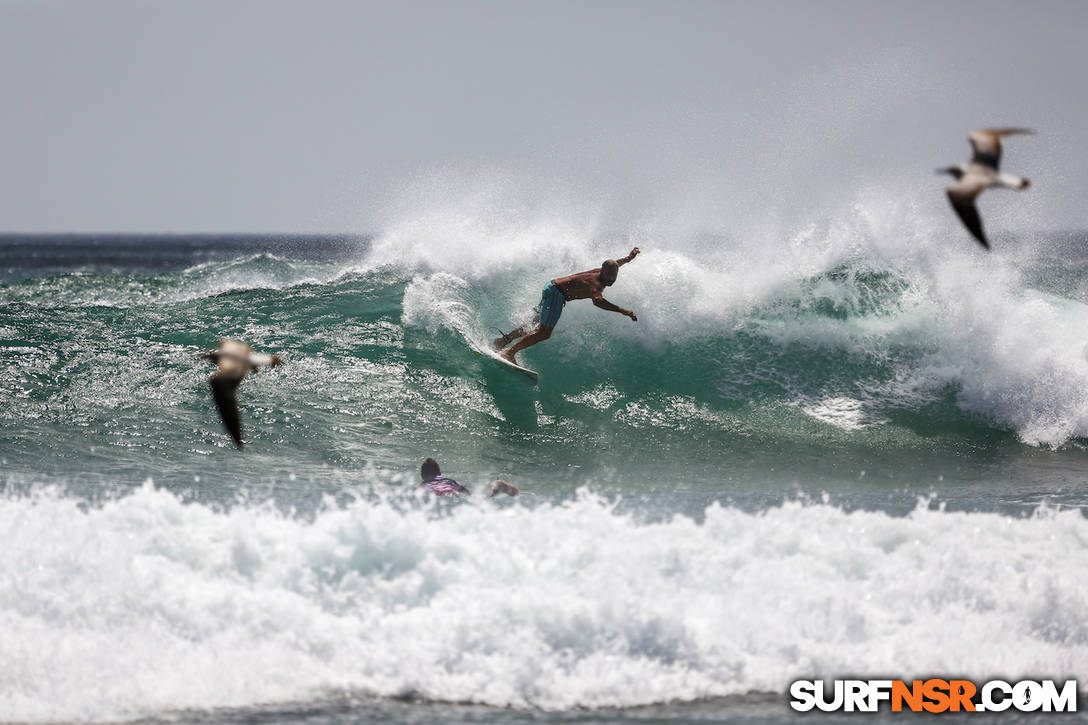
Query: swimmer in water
[[439, 485], [580, 286], [501, 486]]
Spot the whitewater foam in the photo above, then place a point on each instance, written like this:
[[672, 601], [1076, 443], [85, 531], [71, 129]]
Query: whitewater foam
[[147, 604]]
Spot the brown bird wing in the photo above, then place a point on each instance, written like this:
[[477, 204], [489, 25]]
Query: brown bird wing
[[224, 385], [962, 197], [986, 143]]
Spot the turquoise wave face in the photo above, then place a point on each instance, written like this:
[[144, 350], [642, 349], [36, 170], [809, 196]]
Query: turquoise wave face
[[872, 383]]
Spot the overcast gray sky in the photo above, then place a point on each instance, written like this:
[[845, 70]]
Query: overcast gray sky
[[309, 116]]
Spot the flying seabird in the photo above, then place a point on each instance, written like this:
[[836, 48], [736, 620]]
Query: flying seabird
[[235, 359], [980, 174]]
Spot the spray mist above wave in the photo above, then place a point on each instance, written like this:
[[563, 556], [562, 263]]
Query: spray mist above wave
[[146, 604]]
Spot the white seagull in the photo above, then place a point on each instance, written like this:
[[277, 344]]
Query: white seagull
[[980, 174], [235, 359]]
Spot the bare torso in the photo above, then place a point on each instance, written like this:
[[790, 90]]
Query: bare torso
[[581, 286]]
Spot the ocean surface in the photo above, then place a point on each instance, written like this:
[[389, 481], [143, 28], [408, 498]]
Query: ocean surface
[[829, 455]]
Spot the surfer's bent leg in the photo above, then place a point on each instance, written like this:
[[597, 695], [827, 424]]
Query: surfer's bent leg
[[547, 314], [551, 307], [509, 337], [542, 333]]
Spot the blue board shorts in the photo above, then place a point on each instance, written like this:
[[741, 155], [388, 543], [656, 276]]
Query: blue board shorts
[[551, 304]]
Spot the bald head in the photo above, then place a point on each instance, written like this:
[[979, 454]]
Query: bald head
[[610, 269]]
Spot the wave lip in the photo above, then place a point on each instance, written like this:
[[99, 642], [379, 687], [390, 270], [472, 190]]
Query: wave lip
[[147, 604]]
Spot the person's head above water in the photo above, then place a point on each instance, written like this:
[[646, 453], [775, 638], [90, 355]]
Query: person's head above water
[[501, 486], [610, 269], [429, 470]]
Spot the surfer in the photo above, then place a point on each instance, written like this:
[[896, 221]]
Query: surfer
[[436, 483], [560, 291]]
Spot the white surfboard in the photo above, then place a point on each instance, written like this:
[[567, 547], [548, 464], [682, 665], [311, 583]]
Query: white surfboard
[[530, 375]]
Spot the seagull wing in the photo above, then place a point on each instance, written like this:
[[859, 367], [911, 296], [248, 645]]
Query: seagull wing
[[962, 197], [263, 360], [986, 143], [224, 384]]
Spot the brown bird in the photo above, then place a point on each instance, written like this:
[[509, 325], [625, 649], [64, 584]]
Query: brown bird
[[235, 359], [981, 173]]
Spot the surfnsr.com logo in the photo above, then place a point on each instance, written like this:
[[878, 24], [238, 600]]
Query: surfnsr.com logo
[[933, 695]]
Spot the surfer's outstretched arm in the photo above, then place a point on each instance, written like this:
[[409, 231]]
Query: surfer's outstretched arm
[[631, 255], [606, 305]]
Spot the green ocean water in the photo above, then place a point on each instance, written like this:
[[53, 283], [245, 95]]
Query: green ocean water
[[801, 392], [941, 399]]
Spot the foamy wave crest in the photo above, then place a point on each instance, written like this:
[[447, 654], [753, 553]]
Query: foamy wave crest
[[147, 604], [875, 276], [210, 279], [255, 272], [1019, 356]]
